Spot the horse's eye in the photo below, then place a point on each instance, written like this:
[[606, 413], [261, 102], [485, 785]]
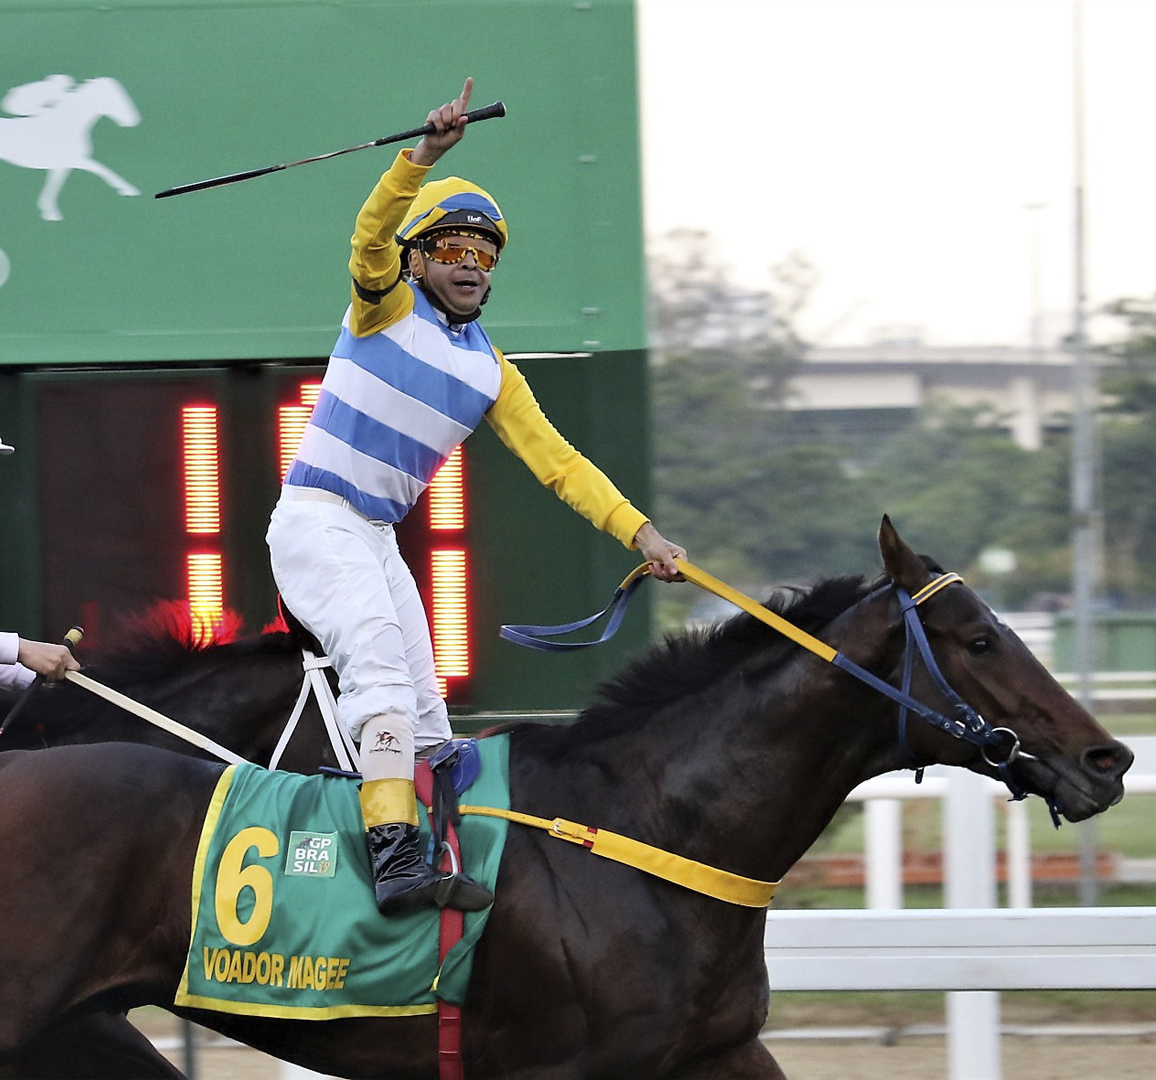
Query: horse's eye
[[980, 645]]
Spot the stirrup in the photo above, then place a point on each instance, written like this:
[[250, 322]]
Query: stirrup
[[462, 893]]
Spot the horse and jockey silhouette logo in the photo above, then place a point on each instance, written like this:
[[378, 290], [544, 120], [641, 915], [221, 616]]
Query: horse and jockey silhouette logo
[[385, 743], [49, 126]]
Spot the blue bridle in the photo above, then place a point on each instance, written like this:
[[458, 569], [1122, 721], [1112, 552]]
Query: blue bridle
[[999, 746]]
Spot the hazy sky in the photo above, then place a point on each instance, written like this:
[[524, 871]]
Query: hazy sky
[[897, 144]]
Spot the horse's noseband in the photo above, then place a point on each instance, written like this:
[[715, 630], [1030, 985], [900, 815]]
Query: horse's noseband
[[999, 746]]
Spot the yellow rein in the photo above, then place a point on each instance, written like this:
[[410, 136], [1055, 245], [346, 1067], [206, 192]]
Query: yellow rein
[[720, 588], [708, 880]]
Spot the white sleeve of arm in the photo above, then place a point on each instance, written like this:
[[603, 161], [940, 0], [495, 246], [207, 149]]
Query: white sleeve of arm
[[13, 676]]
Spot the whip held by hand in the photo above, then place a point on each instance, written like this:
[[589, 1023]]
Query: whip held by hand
[[488, 112]]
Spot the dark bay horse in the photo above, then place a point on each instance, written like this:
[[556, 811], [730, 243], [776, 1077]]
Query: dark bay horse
[[731, 747]]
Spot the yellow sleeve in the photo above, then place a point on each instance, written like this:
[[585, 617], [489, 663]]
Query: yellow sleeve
[[520, 423], [376, 259]]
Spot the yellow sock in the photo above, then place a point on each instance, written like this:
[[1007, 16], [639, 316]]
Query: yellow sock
[[385, 802]]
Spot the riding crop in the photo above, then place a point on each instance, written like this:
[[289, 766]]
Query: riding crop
[[154, 717], [72, 639], [487, 112]]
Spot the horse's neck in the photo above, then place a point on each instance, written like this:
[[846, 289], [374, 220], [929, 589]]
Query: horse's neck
[[744, 778], [779, 774], [765, 766]]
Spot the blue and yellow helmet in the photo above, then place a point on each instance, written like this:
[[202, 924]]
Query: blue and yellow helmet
[[453, 202]]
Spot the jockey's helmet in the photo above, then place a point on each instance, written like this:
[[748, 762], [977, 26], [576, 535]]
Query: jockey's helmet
[[453, 203]]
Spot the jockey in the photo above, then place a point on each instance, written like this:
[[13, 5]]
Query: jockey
[[412, 374], [22, 660], [36, 98]]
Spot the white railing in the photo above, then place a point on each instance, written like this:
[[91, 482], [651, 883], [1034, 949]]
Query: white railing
[[972, 950], [1138, 686]]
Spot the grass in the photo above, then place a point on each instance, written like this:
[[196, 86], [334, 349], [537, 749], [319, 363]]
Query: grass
[[1123, 724], [896, 1009]]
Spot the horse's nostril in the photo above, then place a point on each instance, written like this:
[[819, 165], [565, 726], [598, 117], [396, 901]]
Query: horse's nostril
[[1114, 760]]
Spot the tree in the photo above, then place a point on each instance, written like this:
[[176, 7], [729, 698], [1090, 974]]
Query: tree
[[1128, 448], [757, 496], [958, 480], [761, 494]]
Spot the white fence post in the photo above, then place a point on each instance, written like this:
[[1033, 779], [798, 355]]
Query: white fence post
[[973, 1017], [883, 853], [1019, 855]]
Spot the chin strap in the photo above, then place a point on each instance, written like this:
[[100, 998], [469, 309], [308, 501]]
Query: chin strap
[[453, 320]]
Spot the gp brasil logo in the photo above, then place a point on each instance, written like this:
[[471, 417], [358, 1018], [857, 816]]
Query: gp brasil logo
[[311, 854]]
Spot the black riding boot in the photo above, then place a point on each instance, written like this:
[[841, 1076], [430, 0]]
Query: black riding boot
[[403, 879]]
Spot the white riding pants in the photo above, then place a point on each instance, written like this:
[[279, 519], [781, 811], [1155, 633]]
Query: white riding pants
[[345, 579]]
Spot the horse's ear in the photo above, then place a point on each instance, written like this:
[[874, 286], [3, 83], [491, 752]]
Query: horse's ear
[[900, 563]]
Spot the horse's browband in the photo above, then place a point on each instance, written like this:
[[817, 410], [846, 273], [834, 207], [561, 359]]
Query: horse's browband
[[708, 880], [932, 587]]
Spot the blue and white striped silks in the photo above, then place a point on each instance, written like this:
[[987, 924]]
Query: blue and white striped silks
[[393, 406]]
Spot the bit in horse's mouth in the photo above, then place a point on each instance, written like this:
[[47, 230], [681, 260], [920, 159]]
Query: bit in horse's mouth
[[1073, 793]]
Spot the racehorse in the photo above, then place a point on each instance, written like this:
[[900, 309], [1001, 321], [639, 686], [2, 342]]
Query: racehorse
[[731, 746], [55, 135]]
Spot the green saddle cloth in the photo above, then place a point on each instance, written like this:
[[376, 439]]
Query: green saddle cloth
[[284, 919]]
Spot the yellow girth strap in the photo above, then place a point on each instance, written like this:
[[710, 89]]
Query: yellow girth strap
[[708, 880]]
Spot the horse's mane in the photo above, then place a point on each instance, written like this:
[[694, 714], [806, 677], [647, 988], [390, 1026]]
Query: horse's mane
[[150, 645], [683, 664]]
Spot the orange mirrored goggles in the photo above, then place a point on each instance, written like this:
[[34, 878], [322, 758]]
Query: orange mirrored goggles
[[451, 248]]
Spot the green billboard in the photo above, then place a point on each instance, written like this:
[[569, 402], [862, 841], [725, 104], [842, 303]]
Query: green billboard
[[117, 309], [102, 105]]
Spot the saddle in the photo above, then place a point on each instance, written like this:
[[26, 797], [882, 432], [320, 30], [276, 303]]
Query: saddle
[[302, 637], [306, 836]]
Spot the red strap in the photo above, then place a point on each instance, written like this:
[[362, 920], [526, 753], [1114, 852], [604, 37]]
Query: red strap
[[449, 1042], [452, 924]]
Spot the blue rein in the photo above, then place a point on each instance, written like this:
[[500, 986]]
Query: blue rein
[[999, 746]]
